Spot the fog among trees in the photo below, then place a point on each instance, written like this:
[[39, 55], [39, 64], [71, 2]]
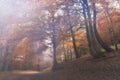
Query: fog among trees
[[41, 34]]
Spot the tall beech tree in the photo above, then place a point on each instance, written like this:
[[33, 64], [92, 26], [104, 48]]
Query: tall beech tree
[[91, 28]]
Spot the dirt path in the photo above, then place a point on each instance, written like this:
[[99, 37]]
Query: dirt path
[[17, 75], [100, 69], [92, 74]]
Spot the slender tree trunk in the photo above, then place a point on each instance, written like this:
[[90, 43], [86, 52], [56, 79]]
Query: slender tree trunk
[[70, 54], [74, 43], [100, 41], [77, 55], [95, 51], [87, 28], [5, 60], [1, 52], [67, 51], [65, 57], [54, 46], [38, 65], [93, 46], [93, 40]]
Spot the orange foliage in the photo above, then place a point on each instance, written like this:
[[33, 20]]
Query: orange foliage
[[81, 41], [22, 54], [104, 27]]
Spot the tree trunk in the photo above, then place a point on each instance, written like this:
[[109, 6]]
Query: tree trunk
[[38, 65], [65, 57], [95, 51], [5, 60], [70, 54], [87, 28], [100, 41], [74, 43], [93, 45], [93, 40], [54, 46], [77, 55]]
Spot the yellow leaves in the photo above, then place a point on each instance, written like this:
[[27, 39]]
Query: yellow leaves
[[80, 37]]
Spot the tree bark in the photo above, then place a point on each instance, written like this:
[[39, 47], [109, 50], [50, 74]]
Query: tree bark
[[87, 29], [95, 51], [5, 60], [77, 55], [54, 45], [100, 41], [65, 57], [93, 46], [74, 43]]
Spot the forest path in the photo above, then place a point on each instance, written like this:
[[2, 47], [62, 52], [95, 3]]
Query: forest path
[[17, 75], [80, 69]]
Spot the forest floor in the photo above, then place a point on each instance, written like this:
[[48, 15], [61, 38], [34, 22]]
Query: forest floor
[[81, 69]]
